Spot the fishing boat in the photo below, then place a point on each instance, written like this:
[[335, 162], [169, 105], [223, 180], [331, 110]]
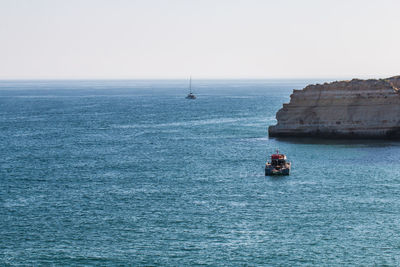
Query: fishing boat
[[190, 95], [278, 165]]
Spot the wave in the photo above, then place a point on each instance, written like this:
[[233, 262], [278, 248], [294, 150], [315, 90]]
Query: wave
[[191, 123]]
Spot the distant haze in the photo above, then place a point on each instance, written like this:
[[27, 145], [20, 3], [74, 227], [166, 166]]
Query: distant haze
[[203, 38]]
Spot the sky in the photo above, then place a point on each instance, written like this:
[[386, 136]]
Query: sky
[[140, 39]]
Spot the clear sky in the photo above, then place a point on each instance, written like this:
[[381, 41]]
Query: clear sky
[[202, 38]]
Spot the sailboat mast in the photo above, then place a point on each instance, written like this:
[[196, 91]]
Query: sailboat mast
[[190, 95]]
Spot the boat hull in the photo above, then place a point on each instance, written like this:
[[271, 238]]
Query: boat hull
[[274, 171]]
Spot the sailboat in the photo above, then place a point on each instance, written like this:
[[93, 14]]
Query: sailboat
[[190, 95]]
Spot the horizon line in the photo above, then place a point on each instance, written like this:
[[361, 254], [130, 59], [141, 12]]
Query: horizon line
[[181, 78]]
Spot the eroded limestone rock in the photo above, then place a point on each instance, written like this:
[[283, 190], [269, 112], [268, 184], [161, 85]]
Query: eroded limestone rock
[[356, 108]]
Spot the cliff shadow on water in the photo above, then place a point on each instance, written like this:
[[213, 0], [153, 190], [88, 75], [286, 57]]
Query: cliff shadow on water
[[369, 142]]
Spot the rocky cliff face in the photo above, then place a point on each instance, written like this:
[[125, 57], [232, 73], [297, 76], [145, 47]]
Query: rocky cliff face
[[356, 108]]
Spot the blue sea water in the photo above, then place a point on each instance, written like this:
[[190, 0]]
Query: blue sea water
[[131, 173]]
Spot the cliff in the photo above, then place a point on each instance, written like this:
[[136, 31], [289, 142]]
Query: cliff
[[349, 109]]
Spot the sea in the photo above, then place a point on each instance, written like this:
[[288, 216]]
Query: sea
[[130, 173]]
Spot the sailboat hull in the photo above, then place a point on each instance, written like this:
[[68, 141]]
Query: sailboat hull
[[191, 96]]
